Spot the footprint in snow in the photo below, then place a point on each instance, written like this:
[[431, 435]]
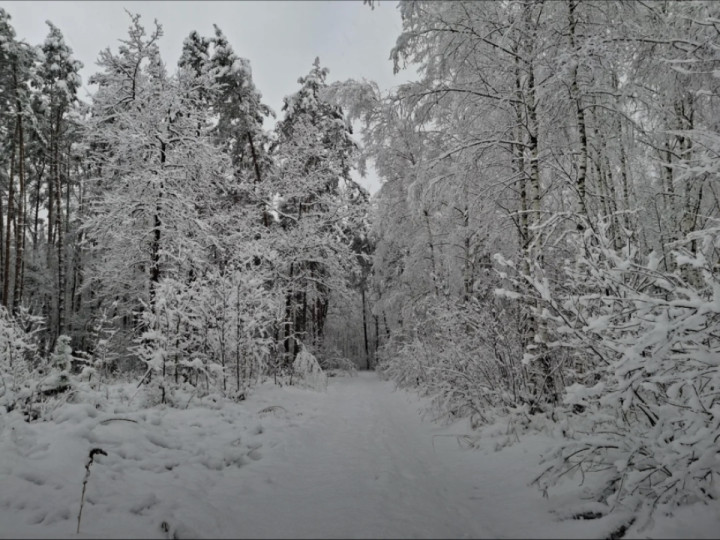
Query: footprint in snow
[[178, 531], [145, 503], [162, 442], [253, 451], [32, 477], [59, 514], [37, 517]]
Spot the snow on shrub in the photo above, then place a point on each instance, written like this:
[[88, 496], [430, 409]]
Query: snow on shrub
[[17, 351], [307, 371], [332, 361], [465, 355], [57, 378], [647, 404], [211, 334]]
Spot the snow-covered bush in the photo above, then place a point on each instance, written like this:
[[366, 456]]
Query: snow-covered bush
[[404, 361], [465, 355], [211, 334], [307, 371], [644, 394], [235, 314], [331, 360], [17, 351], [57, 376], [103, 356]]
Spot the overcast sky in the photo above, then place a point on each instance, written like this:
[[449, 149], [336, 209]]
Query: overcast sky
[[280, 38]]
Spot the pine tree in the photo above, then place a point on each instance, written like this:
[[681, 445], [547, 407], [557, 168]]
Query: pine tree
[[240, 111], [312, 187], [17, 60], [59, 81]]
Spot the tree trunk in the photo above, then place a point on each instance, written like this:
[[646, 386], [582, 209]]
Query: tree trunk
[[377, 335], [155, 245], [2, 235], [289, 327], [75, 292], [579, 115], [8, 226], [51, 199], [67, 191], [258, 177], [20, 225], [59, 229], [256, 165], [365, 331], [431, 246], [238, 322], [469, 263], [37, 208], [537, 343]]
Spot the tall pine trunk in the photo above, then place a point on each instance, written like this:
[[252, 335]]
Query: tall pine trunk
[[59, 227], [20, 223], [9, 222]]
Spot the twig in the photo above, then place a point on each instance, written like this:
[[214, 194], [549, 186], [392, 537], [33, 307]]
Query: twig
[[272, 408], [91, 457], [139, 385], [466, 438], [189, 400], [119, 420]]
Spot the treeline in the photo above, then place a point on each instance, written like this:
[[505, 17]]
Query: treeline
[[159, 231], [547, 233]]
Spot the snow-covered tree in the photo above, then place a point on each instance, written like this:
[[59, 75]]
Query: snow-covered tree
[[240, 110], [158, 175], [17, 72], [59, 81], [566, 138], [317, 207]]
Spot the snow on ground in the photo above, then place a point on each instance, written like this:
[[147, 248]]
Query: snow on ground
[[356, 461]]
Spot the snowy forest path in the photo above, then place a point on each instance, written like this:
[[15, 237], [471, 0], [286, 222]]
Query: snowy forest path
[[355, 461], [361, 464]]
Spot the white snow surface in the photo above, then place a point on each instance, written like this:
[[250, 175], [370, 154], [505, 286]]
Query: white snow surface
[[355, 461]]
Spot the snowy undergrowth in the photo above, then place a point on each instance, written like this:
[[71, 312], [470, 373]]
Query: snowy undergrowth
[[625, 380], [516, 444], [156, 479], [644, 372], [531, 441]]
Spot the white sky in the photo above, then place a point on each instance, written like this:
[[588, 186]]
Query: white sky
[[280, 38]]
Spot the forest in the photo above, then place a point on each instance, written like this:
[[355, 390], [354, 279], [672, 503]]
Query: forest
[[545, 246]]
